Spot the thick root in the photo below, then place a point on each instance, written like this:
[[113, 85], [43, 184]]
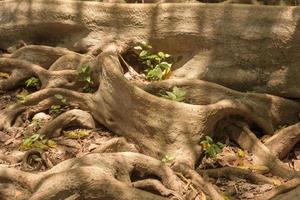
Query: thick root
[[230, 172], [9, 115], [248, 141], [93, 174], [213, 48], [71, 118], [286, 187], [282, 142]]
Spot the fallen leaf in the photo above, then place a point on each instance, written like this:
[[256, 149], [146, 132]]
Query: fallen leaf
[[51, 143], [77, 134], [4, 75]]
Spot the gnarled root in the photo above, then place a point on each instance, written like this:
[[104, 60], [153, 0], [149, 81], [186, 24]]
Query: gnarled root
[[286, 187], [95, 173], [282, 142], [75, 118], [230, 172], [246, 139], [8, 115], [156, 127]]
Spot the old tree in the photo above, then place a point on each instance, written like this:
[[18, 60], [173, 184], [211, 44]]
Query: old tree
[[237, 65]]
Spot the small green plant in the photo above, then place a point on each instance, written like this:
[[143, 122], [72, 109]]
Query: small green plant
[[55, 109], [210, 148], [84, 72], [61, 98], [22, 95], [37, 141], [167, 158], [33, 82], [59, 108], [177, 94], [157, 66]]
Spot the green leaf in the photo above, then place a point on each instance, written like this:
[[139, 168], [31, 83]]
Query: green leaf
[[51, 143], [64, 101], [148, 63], [23, 95], [88, 79], [59, 96], [34, 141], [211, 152], [179, 92], [32, 82], [154, 74], [167, 158], [145, 45], [27, 142], [210, 148], [209, 139], [143, 53], [84, 69], [39, 145], [35, 137], [151, 57], [161, 54], [55, 107], [167, 55], [138, 48], [220, 145], [165, 65], [171, 95]]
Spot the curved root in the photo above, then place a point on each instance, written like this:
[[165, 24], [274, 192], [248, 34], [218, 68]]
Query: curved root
[[69, 118], [289, 185], [156, 127], [282, 142], [230, 172], [248, 141], [94, 173]]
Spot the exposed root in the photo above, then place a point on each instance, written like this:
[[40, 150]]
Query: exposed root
[[286, 187], [93, 174], [283, 111], [177, 127], [282, 142], [213, 48], [116, 145], [231, 172], [34, 160], [291, 195], [9, 115], [248, 141], [40, 55], [24, 179], [71, 118], [155, 186], [198, 181], [70, 62]]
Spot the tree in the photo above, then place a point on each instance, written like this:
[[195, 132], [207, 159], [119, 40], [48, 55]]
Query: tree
[[238, 66]]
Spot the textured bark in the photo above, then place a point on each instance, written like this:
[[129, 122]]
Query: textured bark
[[258, 44], [283, 142], [234, 62]]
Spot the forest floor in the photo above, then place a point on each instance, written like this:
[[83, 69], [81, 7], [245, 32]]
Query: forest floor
[[110, 109], [79, 142]]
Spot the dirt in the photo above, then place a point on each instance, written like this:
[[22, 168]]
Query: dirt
[[237, 67]]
